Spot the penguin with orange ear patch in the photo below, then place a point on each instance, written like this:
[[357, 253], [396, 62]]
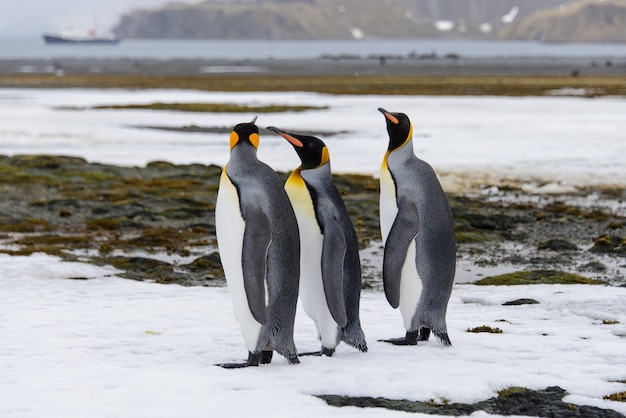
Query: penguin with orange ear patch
[[417, 226], [259, 245], [330, 283]]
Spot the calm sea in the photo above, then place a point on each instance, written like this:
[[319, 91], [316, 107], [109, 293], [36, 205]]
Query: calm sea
[[235, 49]]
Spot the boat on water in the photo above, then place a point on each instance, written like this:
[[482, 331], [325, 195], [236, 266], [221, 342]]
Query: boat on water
[[80, 37]]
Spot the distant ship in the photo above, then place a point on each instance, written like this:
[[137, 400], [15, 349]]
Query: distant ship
[[80, 37]]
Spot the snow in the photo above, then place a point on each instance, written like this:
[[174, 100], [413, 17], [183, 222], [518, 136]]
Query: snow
[[76, 341], [563, 140], [107, 347]]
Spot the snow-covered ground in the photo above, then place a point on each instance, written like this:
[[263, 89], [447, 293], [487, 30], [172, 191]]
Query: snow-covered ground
[[565, 140], [109, 347]]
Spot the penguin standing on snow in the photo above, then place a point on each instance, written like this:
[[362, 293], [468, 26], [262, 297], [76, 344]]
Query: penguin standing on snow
[[259, 245], [330, 283], [417, 226]]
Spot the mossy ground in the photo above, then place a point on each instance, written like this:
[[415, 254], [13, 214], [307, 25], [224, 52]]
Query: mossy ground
[[126, 216], [531, 85], [536, 277]]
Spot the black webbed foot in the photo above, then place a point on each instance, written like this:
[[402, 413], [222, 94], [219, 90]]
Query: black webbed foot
[[266, 356], [424, 334], [253, 361], [409, 339], [323, 352], [327, 351]]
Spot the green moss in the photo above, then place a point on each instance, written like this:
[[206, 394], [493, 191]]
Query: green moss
[[616, 397], [468, 237], [25, 225], [108, 224], [512, 391], [485, 328], [609, 322], [536, 277]]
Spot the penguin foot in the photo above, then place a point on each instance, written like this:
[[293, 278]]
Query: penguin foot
[[327, 351], [409, 339], [323, 352], [266, 357], [310, 353], [253, 361], [424, 334]]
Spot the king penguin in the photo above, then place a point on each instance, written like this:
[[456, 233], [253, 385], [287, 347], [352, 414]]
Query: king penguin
[[259, 246], [330, 283], [417, 226]]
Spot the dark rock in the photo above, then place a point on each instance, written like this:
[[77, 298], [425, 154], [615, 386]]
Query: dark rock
[[594, 266], [556, 244], [512, 401], [609, 244], [520, 302]]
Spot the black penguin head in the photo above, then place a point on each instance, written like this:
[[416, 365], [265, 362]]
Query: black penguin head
[[311, 150], [245, 133], [399, 128]]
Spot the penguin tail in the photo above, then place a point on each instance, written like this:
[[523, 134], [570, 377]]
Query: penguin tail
[[443, 337], [354, 336]]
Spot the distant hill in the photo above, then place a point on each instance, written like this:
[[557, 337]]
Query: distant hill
[[582, 21], [345, 19]]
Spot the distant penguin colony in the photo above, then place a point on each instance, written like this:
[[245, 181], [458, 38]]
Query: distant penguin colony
[[280, 242]]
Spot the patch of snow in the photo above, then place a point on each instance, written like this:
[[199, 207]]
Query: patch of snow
[[486, 28], [444, 25], [511, 15], [112, 347]]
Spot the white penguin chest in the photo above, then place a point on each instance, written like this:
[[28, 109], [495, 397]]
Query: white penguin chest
[[229, 228], [311, 242], [387, 204]]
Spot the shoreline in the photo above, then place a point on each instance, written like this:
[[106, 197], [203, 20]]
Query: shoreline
[[342, 64]]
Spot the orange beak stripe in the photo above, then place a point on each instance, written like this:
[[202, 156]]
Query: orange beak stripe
[[291, 139], [392, 118]]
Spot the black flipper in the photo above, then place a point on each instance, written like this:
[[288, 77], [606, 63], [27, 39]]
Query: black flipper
[[256, 241], [402, 233], [333, 255]]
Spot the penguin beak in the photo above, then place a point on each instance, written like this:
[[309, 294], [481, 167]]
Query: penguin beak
[[254, 120], [294, 141], [389, 116]]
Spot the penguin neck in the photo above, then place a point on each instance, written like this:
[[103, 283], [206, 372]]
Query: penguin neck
[[316, 176], [400, 155], [243, 152]]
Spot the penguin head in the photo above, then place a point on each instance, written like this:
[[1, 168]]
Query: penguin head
[[312, 151], [245, 133], [399, 128]]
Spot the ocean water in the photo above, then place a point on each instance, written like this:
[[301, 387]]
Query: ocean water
[[297, 49]]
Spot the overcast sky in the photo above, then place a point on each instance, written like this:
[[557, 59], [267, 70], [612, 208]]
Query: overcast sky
[[30, 18]]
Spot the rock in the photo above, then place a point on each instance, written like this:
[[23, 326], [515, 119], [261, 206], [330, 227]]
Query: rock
[[520, 302], [512, 401], [609, 244], [556, 244]]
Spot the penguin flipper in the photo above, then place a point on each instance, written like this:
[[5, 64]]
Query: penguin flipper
[[333, 255], [402, 233], [256, 241]]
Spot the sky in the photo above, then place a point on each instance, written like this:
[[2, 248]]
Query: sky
[[30, 18]]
